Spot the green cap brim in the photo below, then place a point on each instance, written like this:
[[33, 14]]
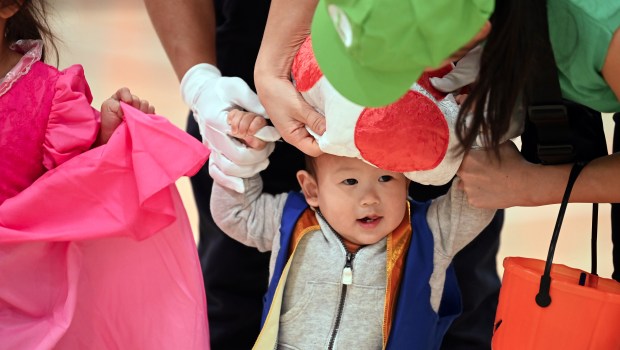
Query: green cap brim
[[358, 84]]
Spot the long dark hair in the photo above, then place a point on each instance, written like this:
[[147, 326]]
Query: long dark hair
[[506, 65], [30, 22]]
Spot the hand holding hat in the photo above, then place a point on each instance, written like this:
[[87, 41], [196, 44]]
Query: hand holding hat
[[415, 135], [287, 27], [292, 116]]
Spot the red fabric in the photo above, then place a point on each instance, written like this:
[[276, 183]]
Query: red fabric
[[408, 135], [305, 69]]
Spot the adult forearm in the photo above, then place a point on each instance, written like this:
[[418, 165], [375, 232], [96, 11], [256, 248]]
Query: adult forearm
[[512, 181], [186, 30], [598, 182], [287, 27]]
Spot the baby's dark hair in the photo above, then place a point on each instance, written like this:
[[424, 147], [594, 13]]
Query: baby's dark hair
[[310, 165], [30, 22]]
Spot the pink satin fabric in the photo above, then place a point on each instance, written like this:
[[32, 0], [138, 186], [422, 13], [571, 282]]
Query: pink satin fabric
[[98, 253]]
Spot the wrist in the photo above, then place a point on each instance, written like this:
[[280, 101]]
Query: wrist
[[270, 68], [261, 78], [194, 79], [546, 184]]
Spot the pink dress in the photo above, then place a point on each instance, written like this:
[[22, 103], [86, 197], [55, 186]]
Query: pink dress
[[96, 253], [45, 119]]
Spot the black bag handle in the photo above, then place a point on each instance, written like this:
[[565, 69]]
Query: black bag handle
[[543, 298], [549, 124]]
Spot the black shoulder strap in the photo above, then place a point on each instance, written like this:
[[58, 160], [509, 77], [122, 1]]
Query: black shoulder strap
[[546, 110]]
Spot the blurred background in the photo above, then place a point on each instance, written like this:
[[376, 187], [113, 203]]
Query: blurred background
[[117, 45]]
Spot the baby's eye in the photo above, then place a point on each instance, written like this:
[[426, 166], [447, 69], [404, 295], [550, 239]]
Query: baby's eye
[[385, 178], [349, 182]]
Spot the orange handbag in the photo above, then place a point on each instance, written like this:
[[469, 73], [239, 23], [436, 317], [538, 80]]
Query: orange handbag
[[551, 306]]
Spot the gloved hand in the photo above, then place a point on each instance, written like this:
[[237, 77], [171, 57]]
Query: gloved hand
[[211, 96], [465, 72]]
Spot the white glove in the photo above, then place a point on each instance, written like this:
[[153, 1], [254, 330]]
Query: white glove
[[465, 72], [211, 97]]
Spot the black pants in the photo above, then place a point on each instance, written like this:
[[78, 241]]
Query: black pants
[[235, 276], [476, 272]]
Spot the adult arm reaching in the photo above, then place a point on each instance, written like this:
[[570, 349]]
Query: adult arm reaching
[[512, 181], [490, 183], [288, 25], [190, 46], [189, 41]]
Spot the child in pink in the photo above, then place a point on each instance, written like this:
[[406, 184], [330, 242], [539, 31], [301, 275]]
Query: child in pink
[[45, 115], [95, 247]]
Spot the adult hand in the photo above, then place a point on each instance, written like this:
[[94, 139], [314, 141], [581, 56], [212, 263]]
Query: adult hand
[[291, 114], [288, 26], [490, 182], [211, 97]]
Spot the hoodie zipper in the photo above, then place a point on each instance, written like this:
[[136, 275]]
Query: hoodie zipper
[[347, 279]]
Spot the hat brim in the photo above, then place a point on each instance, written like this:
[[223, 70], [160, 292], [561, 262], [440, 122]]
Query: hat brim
[[359, 84]]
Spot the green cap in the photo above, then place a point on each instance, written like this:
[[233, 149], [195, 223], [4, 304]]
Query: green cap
[[372, 51]]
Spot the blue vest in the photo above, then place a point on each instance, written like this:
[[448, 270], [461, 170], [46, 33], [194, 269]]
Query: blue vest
[[415, 324]]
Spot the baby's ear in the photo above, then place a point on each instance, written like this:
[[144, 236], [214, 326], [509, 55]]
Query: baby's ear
[[309, 187]]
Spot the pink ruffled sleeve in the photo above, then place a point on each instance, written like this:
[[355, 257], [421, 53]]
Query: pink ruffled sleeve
[[73, 124]]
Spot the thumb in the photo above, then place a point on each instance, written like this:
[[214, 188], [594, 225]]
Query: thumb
[[313, 119], [112, 106], [111, 118], [241, 95], [304, 141]]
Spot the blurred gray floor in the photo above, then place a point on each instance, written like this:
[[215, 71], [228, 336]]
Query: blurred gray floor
[[117, 46]]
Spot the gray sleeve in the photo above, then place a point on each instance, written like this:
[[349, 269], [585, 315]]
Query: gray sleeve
[[454, 222], [252, 218]]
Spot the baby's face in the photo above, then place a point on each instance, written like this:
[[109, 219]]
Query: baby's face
[[361, 202]]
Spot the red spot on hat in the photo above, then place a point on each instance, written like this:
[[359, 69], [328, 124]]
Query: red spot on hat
[[305, 69], [408, 135]]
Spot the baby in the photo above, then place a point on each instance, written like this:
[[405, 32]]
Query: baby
[[354, 264]]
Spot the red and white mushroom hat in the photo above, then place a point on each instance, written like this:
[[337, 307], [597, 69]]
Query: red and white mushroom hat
[[414, 135]]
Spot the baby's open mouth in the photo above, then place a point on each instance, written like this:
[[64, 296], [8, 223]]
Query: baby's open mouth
[[369, 219]]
